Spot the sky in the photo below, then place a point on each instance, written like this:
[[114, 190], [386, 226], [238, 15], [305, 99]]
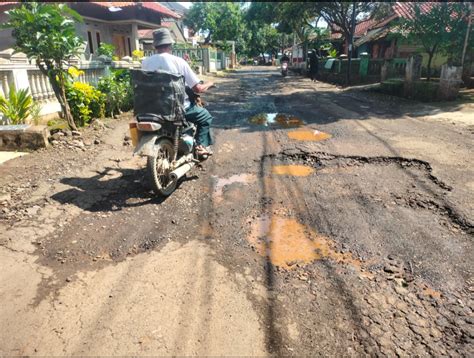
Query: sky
[[186, 4]]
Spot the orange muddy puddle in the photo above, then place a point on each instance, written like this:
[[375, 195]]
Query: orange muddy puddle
[[276, 119], [287, 242], [294, 170], [314, 135], [223, 182], [431, 293]]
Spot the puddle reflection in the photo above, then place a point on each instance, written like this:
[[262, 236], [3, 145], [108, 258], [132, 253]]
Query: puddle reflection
[[276, 119]]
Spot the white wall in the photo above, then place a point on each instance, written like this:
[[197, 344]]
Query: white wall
[[6, 40]]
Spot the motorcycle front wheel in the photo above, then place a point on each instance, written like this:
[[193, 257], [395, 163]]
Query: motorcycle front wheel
[[159, 168]]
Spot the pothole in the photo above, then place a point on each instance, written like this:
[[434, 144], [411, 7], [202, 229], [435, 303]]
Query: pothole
[[420, 189], [306, 135], [276, 120], [287, 243]]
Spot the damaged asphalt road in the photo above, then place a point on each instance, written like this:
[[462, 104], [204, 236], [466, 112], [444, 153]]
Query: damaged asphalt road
[[342, 228]]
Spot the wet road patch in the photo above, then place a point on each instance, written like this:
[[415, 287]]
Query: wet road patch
[[276, 120], [313, 135], [221, 183], [287, 242], [293, 170]]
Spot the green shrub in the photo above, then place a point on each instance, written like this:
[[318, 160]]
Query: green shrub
[[392, 87], [35, 112], [106, 50], [17, 107], [86, 102], [425, 91], [57, 124], [118, 92]]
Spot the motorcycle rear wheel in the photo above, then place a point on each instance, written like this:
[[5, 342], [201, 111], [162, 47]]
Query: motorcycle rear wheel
[[158, 168]]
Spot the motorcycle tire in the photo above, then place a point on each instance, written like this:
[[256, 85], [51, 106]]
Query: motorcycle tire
[[158, 168]]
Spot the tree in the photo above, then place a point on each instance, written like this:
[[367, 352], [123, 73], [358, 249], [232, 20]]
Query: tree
[[46, 33], [432, 29], [288, 17], [222, 21], [339, 14], [264, 39], [458, 27]]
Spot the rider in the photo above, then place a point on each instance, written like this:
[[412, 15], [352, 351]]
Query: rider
[[284, 58], [165, 61]]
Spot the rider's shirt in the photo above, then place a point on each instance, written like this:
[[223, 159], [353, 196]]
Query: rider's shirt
[[173, 64]]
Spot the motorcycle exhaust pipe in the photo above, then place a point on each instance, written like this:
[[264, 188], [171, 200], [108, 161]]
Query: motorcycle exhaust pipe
[[179, 172]]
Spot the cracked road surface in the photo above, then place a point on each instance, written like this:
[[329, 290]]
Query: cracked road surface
[[342, 226]]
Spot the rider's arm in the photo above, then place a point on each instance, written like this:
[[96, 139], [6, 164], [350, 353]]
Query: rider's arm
[[192, 80], [199, 88]]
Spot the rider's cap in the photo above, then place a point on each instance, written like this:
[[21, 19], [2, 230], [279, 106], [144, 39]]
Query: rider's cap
[[162, 37]]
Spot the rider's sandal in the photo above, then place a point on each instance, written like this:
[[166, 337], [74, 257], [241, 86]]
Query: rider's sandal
[[203, 152]]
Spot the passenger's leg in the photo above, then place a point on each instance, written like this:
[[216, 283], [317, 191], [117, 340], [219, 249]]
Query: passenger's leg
[[202, 119]]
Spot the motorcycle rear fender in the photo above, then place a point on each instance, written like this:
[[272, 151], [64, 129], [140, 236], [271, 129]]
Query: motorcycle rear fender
[[146, 146]]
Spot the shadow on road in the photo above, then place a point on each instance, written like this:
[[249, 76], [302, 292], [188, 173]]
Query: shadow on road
[[112, 189]]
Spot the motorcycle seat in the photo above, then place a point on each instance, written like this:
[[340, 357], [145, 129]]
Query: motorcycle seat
[[150, 117]]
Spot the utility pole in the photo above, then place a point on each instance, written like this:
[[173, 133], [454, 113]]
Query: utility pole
[[351, 44]]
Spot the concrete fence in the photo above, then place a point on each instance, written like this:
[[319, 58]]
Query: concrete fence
[[24, 74]]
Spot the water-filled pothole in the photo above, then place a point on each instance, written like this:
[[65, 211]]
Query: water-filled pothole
[[313, 135], [293, 170], [277, 120], [286, 242], [223, 182]]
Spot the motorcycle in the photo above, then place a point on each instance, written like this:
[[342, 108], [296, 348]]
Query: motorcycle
[[159, 130], [284, 68]]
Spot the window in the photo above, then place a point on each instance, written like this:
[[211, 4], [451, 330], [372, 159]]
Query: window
[[97, 35], [91, 45], [129, 47]]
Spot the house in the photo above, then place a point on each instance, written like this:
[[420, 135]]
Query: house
[[118, 23], [114, 22], [381, 39], [340, 43]]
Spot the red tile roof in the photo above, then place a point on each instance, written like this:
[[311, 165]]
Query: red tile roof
[[148, 33], [362, 27], [154, 6], [7, 3], [406, 9], [145, 34]]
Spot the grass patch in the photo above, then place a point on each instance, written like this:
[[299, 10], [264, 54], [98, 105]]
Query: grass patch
[[55, 125]]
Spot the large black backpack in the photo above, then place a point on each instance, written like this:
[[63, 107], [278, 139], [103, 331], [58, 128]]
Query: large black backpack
[[159, 92]]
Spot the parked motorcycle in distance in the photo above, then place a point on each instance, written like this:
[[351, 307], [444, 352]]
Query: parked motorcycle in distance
[[284, 68], [160, 131]]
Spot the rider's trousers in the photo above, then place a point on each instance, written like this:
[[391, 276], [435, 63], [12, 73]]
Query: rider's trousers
[[202, 119]]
